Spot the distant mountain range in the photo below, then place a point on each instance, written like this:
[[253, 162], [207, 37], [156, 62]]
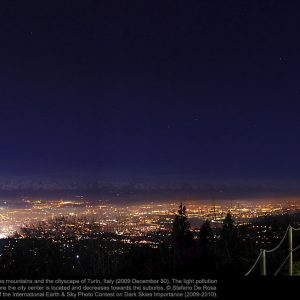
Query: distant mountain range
[[231, 189]]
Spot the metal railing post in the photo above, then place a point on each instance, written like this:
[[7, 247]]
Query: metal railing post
[[264, 264], [291, 250]]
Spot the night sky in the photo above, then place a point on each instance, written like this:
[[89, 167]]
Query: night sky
[[150, 91]]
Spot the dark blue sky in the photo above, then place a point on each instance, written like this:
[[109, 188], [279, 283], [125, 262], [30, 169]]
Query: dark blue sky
[[183, 90]]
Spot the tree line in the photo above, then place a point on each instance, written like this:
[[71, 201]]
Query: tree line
[[77, 247]]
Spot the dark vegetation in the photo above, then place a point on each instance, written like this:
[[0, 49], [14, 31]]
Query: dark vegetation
[[79, 248]]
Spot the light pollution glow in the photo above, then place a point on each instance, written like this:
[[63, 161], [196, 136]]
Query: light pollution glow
[[139, 219]]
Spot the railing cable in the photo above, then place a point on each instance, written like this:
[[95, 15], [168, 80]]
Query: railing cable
[[296, 229], [278, 270], [274, 249], [255, 263], [280, 243]]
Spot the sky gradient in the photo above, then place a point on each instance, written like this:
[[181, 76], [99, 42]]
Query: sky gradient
[[150, 91]]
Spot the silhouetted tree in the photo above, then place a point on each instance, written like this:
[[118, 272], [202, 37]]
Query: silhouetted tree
[[228, 245], [228, 223], [206, 251], [228, 235], [181, 227], [182, 240], [205, 235]]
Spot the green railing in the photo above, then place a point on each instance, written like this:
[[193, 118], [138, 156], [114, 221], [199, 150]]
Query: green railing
[[263, 253]]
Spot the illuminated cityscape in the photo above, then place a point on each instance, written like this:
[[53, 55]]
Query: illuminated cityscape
[[140, 220]]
